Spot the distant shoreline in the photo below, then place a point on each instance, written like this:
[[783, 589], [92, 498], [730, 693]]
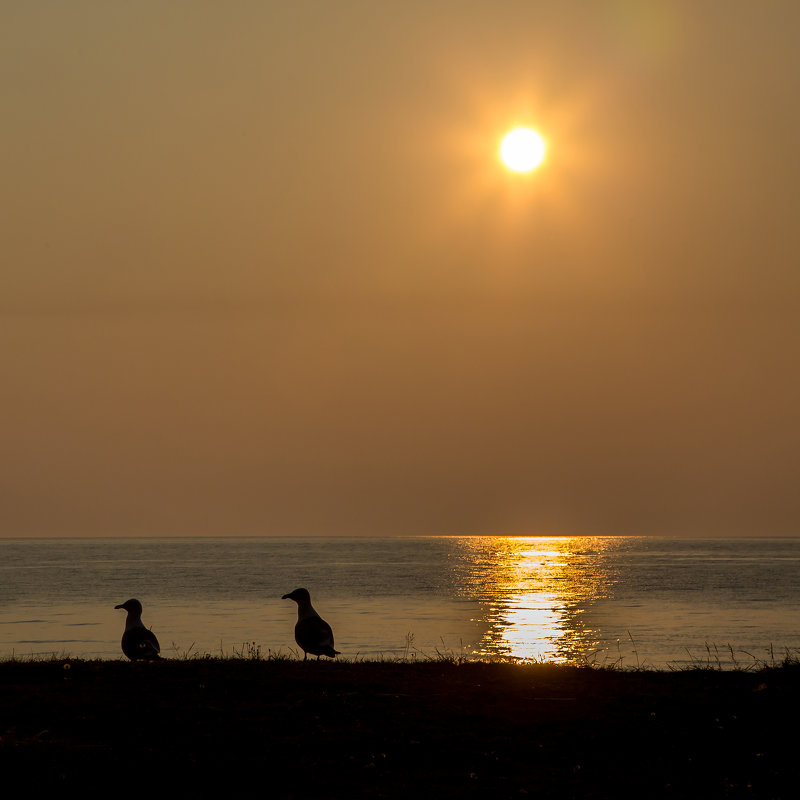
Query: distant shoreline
[[688, 538]]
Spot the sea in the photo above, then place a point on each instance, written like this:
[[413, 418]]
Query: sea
[[625, 602]]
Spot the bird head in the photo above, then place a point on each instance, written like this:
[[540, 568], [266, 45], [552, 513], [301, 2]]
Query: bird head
[[298, 595], [133, 606]]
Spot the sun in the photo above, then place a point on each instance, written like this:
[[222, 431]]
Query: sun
[[522, 150]]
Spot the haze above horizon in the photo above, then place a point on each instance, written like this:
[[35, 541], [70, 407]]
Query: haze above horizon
[[264, 273]]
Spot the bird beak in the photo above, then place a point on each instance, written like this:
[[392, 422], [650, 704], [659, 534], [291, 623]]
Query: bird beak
[[285, 597], [118, 606]]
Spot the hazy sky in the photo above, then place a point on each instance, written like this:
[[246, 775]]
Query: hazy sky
[[263, 273]]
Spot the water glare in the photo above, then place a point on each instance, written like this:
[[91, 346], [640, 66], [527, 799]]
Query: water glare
[[536, 593]]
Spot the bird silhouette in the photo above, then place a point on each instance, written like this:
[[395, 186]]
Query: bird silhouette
[[311, 632], [138, 642]]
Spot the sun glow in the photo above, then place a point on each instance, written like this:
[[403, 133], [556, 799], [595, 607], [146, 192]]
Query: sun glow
[[500, 205], [522, 150]]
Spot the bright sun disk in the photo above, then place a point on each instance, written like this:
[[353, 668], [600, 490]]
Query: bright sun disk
[[522, 150]]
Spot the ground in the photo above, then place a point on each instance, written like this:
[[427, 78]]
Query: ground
[[255, 728]]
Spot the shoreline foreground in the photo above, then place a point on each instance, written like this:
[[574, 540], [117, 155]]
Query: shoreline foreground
[[283, 728]]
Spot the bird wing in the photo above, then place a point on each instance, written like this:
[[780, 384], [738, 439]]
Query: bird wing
[[140, 643], [313, 634]]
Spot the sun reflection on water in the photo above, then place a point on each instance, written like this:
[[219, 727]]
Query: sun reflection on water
[[535, 593]]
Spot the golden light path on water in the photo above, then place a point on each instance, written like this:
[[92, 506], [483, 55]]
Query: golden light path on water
[[537, 595]]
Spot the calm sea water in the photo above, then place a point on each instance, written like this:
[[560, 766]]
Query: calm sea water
[[637, 601]]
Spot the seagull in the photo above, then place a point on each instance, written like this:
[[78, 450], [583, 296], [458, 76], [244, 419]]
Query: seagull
[[138, 642], [311, 632]]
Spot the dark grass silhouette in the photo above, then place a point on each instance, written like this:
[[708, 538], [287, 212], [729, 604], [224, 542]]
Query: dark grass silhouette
[[250, 728]]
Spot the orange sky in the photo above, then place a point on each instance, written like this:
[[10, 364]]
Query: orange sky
[[264, 274]]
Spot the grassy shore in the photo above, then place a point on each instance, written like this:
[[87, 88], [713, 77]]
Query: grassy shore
[[283, 728]]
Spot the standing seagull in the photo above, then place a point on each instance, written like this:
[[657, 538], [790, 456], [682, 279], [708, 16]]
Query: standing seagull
[[138, 642], [311, 632]]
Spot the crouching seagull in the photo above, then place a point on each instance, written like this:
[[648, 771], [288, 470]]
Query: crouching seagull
[[138, 642], [311, 632]]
